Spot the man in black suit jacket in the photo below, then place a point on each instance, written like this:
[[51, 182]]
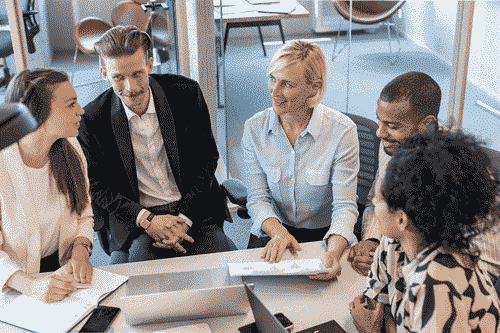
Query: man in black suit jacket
[[151, 158]]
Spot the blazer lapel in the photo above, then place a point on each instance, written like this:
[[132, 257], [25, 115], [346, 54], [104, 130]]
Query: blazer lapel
[[15, 169], [121, 130], [167, 128]]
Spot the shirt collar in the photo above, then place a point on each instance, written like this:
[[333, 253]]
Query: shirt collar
[[274, 123], [313, 127], [151, 107]]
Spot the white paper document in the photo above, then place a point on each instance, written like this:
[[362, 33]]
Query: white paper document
[[285, 267], [60, 316]]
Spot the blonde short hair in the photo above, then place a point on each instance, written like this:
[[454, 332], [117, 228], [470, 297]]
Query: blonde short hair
[[311, 57]]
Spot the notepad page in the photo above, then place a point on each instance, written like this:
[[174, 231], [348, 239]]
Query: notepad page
[[103, 282], [38, 316], [285, 267], [29, 313]]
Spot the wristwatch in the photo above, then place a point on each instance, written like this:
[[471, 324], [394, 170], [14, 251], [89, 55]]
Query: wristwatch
[[87, 246], [145, 223]]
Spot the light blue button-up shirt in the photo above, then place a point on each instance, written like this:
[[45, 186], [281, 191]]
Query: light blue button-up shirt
[[312, 185]]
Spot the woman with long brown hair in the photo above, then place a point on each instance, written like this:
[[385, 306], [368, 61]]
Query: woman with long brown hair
[[46, 216]]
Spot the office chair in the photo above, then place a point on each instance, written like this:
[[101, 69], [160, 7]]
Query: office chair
[[86, 33], [16, 121], [31, 28], [160, 29], [369, 145], [130, 13], [367, 12]]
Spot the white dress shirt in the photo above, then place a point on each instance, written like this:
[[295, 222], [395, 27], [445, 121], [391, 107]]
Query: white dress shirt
[[155, 178], [312, 185]]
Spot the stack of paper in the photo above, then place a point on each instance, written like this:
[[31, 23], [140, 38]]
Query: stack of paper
[[60, 316], [285, 267]]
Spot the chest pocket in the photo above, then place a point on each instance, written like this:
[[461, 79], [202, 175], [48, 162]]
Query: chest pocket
[[317, 177]]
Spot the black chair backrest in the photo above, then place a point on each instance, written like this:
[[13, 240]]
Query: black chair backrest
[[369, 145], [494, 157], [31, 26]]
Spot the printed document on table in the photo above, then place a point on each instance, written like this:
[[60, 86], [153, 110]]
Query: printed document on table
[[285, 267]]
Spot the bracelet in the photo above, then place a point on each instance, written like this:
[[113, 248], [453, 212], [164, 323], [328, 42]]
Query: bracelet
[[374, 240]]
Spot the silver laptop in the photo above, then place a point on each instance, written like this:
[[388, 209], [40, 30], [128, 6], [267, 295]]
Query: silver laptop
[[266, 322], [176, 296]]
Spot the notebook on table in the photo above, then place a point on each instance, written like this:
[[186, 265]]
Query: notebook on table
[[60, 316], [187, 295], [267, 322]]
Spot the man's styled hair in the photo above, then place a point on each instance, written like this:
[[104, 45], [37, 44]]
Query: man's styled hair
[[311, 57], [446, 185], [422, 92], [123, 41]]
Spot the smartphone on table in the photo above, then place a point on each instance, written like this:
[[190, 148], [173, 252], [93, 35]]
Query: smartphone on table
[[252, 328], [100, 319]]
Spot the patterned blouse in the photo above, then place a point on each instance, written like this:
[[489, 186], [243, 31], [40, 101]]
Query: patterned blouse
[[433, 293]]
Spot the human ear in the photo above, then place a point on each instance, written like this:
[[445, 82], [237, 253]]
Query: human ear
[[426, 124], [150, 65], [104, 73], [403, 220]]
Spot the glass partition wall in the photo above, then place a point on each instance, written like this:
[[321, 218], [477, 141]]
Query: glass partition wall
[[363, 55], [61, 45]]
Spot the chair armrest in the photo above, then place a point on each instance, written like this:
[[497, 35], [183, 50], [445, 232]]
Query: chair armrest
[[236, 191]]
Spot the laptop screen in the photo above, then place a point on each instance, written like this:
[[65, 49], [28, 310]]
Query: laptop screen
[[264, 319]]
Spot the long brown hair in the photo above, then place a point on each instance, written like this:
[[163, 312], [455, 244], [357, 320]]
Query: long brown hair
[[34, 89]]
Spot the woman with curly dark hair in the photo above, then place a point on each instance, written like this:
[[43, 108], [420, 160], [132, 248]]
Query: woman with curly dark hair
[[439, 191]]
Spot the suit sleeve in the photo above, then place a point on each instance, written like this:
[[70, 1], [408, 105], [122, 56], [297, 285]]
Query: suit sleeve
[[105, 198], [204, 158]]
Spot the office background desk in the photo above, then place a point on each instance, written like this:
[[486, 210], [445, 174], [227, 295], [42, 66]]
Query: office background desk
[[304, 301], [242, 15]]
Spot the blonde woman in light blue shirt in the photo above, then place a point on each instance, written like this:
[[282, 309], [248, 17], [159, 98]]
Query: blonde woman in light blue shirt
[[301, 162]]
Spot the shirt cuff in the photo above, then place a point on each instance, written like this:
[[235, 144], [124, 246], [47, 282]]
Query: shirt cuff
[[8, 269], [264, 212], [137, 221], [342, 229], [188, 221]]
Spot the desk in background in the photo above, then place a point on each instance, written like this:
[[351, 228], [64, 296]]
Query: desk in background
[[306, 302], [243, 14]]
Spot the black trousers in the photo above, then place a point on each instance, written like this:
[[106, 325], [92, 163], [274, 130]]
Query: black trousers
[[208, 237], [301, 235], [50, 263]]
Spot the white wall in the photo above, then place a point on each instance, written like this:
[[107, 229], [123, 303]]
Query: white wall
[[437, 32]]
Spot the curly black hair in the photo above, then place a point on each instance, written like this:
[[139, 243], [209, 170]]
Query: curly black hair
[[445, 184]]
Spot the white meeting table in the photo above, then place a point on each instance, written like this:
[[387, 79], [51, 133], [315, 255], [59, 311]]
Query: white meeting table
[[305, 302]]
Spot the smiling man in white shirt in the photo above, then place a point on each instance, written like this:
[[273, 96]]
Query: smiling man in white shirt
[[152, 158]]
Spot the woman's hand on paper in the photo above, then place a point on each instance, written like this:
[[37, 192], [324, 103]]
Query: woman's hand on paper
[[336, 247], [276, 247], [332, 262], [50, 289], [79, 265]]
